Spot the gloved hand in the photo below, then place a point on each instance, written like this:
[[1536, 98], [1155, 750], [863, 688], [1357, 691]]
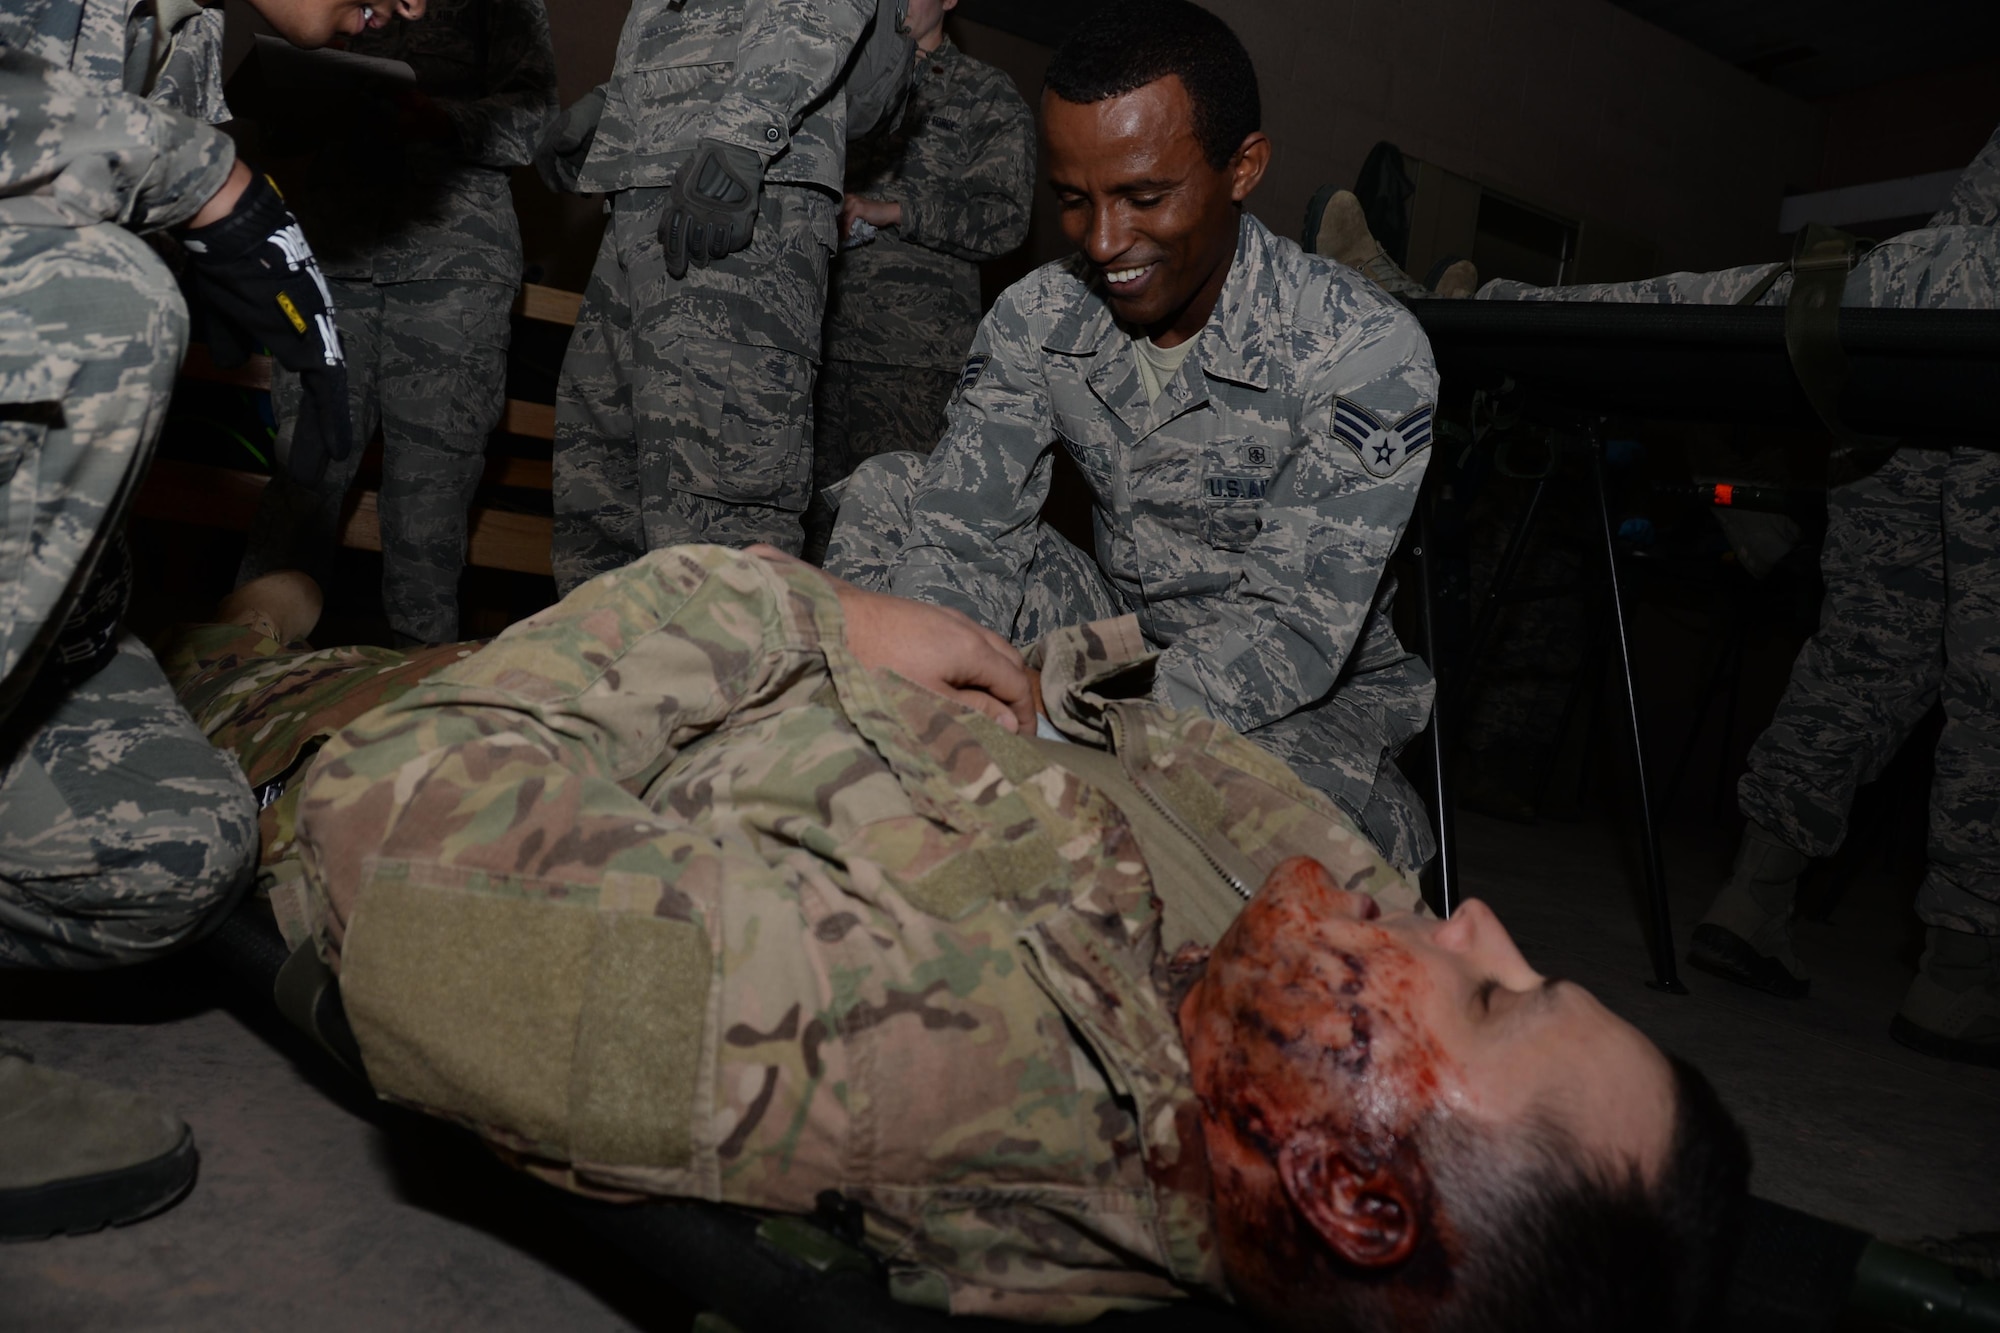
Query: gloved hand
[[711, 206], [262, 287]]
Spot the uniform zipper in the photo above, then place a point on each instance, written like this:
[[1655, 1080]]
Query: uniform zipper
[[1166, 812]]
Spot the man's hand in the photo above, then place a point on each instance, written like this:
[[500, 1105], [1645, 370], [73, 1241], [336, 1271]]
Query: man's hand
[[711, 206], [874, 212], [256, 276], [944, 651]]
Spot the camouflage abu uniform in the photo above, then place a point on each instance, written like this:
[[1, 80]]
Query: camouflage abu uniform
[[1246, 517], [902, 307], [684, 409], [1912, 568], [663, 892], [419, 244], [121, 830]]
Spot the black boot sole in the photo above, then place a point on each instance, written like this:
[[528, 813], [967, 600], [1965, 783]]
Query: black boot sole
[[1723, 953], [1936, 1044], [79, 1206]]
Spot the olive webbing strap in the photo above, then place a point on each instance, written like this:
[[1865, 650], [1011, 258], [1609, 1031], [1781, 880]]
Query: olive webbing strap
[[1822, 257]]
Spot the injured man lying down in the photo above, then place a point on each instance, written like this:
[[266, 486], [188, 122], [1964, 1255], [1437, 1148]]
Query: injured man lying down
[[723, 879]]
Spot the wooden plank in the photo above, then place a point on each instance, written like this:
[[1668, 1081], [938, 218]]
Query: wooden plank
[[532, 474], [552, 305], [537, 421], [218, 497]]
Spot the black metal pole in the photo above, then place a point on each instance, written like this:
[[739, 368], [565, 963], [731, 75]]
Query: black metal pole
[[1446, 864], [1661, 936]]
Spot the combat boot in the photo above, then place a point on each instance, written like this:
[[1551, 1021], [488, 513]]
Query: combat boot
[[77, 1155], [283, 605], [1458, 282], [1952, 1009], [1344, 235], [1746, 935]]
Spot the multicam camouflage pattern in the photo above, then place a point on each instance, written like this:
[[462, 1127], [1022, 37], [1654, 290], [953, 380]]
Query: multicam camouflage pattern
[[684, 409], [1897, 632], [380, 205], [1246, 517], [427, 362], [122, 831], [663, 892], [761, 76], [962, 165], [270, 708]]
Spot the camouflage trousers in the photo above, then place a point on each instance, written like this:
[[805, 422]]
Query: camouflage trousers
[[1912, 567], [1911, 618], [684, 410], [865, 408], [427, 363], [121, 831], [1341, 745]]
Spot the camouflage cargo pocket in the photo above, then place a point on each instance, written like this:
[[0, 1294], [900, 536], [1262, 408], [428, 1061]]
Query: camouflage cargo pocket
[[747, 424]]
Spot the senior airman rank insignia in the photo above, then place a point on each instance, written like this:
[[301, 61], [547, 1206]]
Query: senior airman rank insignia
[[1382, 446], [975, 366]]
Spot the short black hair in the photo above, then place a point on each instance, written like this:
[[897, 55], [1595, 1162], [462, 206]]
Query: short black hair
[[1552, 1243], [1123, 45]]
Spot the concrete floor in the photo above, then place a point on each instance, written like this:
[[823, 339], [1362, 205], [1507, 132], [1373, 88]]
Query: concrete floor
[[309, 1215]]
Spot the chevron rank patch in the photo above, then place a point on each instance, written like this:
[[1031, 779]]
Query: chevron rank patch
[[975, 366], [1382, 446]]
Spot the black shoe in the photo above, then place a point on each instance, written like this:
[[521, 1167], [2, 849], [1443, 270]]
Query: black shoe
[[77, 1155], [1723, 953]]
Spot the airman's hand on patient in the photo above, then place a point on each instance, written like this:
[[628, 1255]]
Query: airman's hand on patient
[[944, 651]]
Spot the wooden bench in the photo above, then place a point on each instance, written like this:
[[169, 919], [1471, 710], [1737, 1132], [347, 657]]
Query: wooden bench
[[222, 497]]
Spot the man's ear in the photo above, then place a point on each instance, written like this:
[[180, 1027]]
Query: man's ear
[[1253, 158], [1366, 1215]]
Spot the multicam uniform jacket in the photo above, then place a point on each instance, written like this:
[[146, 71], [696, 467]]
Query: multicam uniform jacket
[[962, 164], [663, 892]]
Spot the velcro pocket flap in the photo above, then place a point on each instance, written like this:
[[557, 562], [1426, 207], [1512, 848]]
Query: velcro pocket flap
[[572, 1029]]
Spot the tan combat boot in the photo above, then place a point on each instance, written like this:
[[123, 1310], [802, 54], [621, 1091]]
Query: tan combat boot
[[1344, 235], [1746, 935], [283, 605], [1952, 1009], [1459, 281], [77, 1155]]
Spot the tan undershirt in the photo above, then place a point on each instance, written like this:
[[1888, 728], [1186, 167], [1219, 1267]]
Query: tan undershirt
[[1158, 365]]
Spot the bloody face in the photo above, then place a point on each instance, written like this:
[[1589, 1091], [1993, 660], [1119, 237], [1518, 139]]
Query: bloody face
[[1323, 1028], [1141, 202]]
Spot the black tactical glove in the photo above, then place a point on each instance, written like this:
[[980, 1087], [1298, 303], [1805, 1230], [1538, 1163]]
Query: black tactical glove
[[262, 288], [711, 206]]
